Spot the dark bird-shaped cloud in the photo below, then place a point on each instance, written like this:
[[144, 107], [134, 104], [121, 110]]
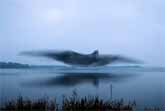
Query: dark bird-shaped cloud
[[78, 59]]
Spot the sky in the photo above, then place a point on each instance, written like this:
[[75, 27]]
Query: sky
[[133, 28]]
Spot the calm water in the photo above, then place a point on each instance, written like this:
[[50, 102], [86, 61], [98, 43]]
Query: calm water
[[144, 85]]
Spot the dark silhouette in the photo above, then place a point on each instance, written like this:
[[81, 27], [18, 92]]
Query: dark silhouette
[[72, 103], [77, 59]]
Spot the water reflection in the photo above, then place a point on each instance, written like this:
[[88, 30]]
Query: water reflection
[[73, 79]]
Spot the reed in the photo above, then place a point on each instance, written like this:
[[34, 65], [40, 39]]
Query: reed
[[95, 104], [21, 104], [73, 103]]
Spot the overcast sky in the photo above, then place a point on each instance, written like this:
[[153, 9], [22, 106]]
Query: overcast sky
[[134, 28]]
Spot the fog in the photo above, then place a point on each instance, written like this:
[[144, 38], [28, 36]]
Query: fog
[[133, 28]]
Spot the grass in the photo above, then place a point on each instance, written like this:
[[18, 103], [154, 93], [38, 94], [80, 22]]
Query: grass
[[95, 104], [73, 103], [21, 104]]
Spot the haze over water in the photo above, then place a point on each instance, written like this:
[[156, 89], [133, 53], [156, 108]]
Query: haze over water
[[140, 84], [133, 28]]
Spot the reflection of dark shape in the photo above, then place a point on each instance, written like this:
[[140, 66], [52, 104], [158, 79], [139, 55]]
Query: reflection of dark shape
[[72, 79], [74, 58]]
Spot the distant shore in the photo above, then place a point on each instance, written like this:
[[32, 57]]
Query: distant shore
[[13, 65], [23, 65]]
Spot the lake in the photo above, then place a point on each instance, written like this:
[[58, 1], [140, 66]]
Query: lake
[[145, 85]]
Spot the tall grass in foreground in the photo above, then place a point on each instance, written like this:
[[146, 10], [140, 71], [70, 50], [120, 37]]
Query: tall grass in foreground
[[95, 104], [72, 103], [21, 104]]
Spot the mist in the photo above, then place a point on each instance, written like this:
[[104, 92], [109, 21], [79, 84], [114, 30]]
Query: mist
[[132, 28]]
